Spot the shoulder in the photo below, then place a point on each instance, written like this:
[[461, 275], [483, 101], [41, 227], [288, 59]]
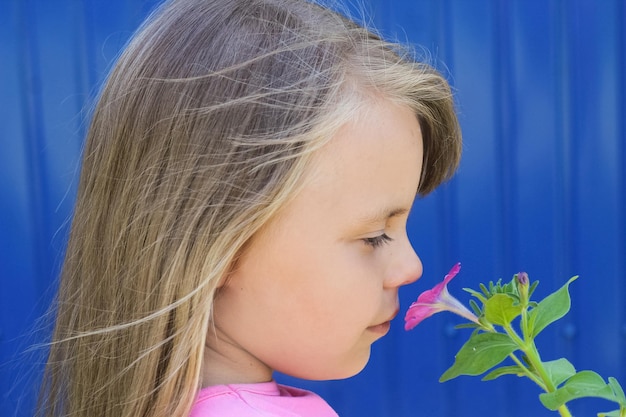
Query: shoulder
[[267, 399]]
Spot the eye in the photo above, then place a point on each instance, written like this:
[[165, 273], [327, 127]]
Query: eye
[[377, 241]]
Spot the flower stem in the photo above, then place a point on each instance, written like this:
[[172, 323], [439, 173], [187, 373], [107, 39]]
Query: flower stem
[[535, 361], [527, 345], [564, 411], [527, 372]]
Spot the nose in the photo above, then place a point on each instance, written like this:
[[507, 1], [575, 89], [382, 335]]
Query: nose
[[405, 268]]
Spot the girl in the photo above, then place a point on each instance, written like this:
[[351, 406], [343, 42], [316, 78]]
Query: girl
[[245, 187]]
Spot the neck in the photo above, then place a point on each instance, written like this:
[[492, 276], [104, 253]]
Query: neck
[[225, 362]]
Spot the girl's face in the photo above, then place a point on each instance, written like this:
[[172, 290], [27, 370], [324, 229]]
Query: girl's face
[[319, 284]]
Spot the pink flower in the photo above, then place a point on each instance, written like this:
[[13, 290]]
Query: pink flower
[[436, 300]]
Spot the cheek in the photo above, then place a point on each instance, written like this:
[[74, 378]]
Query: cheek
[[322, 282], [307, 280], [347, 288]]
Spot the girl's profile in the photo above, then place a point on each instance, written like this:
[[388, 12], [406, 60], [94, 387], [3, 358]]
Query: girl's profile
[[246, 182]]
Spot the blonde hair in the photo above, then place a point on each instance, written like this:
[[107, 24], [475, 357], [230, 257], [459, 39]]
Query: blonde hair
[[200, 135]]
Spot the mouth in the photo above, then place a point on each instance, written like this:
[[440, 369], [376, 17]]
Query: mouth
[[383, 328]]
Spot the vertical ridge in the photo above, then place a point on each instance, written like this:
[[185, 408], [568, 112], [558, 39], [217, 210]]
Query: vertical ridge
[[32, 121], [83, 63], [565, 216], [447, 204], [621, 180], [506, 136], [505, 130]]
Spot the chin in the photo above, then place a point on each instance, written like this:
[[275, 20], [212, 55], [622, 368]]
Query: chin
[[342, 371], [356, 364]]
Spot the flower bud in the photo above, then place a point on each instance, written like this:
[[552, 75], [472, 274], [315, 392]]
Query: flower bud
[[521, 278]]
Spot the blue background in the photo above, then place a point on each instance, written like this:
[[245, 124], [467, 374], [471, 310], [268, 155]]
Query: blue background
[[541, 93]]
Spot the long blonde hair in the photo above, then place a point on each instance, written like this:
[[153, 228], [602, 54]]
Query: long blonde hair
[[200, 135]]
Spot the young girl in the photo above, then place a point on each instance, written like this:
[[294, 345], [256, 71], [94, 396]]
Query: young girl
[[246, 182]]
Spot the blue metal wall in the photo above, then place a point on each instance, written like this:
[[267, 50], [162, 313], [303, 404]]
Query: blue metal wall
[[542, 187]]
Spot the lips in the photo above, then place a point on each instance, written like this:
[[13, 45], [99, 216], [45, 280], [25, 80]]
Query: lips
[[381, 328], [386, 323]]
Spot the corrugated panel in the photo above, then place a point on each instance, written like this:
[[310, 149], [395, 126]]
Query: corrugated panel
[[52, 56], [542, 186]]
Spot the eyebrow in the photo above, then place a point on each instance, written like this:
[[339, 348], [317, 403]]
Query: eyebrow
[[384, 214]]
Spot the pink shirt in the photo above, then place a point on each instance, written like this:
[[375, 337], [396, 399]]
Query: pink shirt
[[266, 399]]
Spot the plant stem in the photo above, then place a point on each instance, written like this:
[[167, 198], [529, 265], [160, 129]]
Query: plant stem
[[535, 360], [564, 411], [515, 337], [527, 372], [527, 345]]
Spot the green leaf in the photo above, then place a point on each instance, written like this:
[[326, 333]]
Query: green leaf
[[559, 370], [481, 352], [467, 326], [482, 320], [501, 309], [475, 307], [476, 294], [550, 309], [485, 290], [583, 384], [505, 370], [532, 288], [511, 288], [619, 392], [610, 414]]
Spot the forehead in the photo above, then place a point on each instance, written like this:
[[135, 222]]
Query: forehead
[[383, 137], [374, 160]]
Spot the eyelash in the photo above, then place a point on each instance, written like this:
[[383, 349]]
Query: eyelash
[[377, 241]]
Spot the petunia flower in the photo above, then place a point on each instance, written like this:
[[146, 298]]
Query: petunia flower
[[435, 300]]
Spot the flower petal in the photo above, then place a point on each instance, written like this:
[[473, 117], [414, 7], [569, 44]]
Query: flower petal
[[432, 295], [452, 273], [435, 300], [417, 313]]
